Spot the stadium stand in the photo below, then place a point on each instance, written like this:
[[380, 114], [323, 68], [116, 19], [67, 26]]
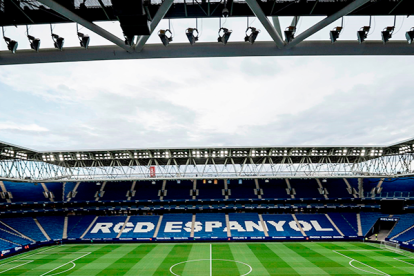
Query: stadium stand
[[281, 225], [179, 191], [398, 188], [245, 225], [242, 189], [316, 225], [13, 238], [20, 194], [53, 226], [116, 190], [67, 189], [275, 188], [140, 227], [213, 229], [343, 224], [25, 225], [336, 188], [56, 188], [368, 219], [147, 190], [86, 191], [210, 190], [175, 226], [305, 188], [106, 227], [77, 225]]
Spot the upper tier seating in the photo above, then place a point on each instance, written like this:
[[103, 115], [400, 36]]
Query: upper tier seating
[[53, 225], [210, 226], [401, 187], [245, 190], [57, 189], [305, 188], [25, 225], [274, 188], [14, 238], [116, 190], [106, 227], [343, 224], [245, 225], [177, 190], [86, 191], [175, 225], [210, 190], [20, 192], [281, 226], [140, 227], [145, 190], [77, 225], [67, 188], [316, 225], [336, 188]]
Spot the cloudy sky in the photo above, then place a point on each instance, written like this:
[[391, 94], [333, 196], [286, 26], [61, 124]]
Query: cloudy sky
[[208, 102]]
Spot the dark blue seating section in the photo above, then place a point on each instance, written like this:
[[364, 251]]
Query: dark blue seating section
[[175, 225], [210, 190], [86, 191], [210, 226], [106, 227], [368, 219], [347, 228], [53, 225], [20, 192], [142, 227], [406, 236], [14, 238], [404, 221], [6, 245], [336, 188], [245, 225], [25, 225], [402, 187], [177, 190], [146, 190], [316, 225], [242, 189], [305, 188], [281, 226], [67, 188], [116, 190], [275, 188], [77, 225], [57, 189]]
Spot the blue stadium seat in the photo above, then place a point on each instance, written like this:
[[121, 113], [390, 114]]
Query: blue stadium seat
[[145, 190], [275, 188], [210, 190], [20, 194], [14, 238], [175, 225], [86, 191], [405, 221], [210, 226], [57, 189], [25, 225], [336, 188], [140, 227], [245, 225], [77, 225], [368, 219], [317, 225], [53, 225], [178, 191], [279, 226], [116, 190], [245, 190], [347, 228], [106, 227], [305, 188]]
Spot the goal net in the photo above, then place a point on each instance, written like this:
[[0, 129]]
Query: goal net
[[390, 246]]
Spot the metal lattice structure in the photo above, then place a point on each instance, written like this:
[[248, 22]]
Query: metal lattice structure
[[22, 164], [138, 19]]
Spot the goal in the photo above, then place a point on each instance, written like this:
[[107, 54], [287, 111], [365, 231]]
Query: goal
[[390, 246]]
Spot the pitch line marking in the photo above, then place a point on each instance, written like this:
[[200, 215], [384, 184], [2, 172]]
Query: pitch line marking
[[353, 260], [404, 261], [211, 262], [16, 266], [250, 268], [66, 264]]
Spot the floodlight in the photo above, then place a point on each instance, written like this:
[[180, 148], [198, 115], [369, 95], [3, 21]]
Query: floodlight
[[363, 33], [224, 35], [84, 40], [240, 181], [191, 35], [178, 181], [410, 36], [129, 39], [267, 180], [153, 182], [290, 33], [252, 35], [165, 36], [324, 180], [225, 12], [334, 34], [58, 41], [11, 44], [386, 34], [98, 184], [34, 43]]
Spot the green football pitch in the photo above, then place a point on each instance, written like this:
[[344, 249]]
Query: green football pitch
[[204, 259]]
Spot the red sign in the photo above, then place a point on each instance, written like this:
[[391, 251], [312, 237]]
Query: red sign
[[152, 171]]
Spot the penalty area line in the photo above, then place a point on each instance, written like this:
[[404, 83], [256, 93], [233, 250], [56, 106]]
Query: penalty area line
[[72, 261], [353, 260]]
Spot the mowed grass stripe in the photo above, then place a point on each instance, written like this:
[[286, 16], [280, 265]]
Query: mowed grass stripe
[[125, 262], [224, 268], [45, 261], [241, 252], [179, 253], [300, 264], [273, 263], [322, 261], [200, 268]]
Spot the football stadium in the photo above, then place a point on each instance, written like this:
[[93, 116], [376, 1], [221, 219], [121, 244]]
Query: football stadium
[[202, 211]]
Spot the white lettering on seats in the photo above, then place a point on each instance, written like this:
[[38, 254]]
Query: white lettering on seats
[[102, 226], [250, 225], [305, 225], [278, 226], [318, 227], [198, 226], [118, 227], [144, 227], [187, 227], [213, 224], [173, 226], [234, 225]]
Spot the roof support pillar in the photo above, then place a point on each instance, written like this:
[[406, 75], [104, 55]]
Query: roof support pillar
[[325, 22], [87, 24], [276, 24], [162, 11], [257, 10]]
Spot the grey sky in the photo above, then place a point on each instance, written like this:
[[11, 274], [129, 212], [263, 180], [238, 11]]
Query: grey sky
[[208, 102]]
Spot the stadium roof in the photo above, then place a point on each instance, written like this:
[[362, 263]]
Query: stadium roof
[[138, 19]]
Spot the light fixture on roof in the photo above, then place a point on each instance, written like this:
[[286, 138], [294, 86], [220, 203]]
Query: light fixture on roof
[[290, 33], [153, 182], [57, 40], [34, 42], [84, 39], [165, 36], [251, 33], [11, 44], [386, 34], [334, 34], [410, 36], [224, 35], [192, 34], [178, 181], [362, 34], [324, 180]]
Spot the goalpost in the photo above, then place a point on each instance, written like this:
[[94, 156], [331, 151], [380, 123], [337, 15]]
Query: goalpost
[[390, 246]]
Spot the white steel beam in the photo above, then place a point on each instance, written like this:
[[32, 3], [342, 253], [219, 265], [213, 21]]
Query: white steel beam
[[208, 50], [162, 11], [325, 22], [89, 25], [276, 24], [257, 10]]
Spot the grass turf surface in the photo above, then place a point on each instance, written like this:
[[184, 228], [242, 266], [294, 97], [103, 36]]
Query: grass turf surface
[[229, 259]]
